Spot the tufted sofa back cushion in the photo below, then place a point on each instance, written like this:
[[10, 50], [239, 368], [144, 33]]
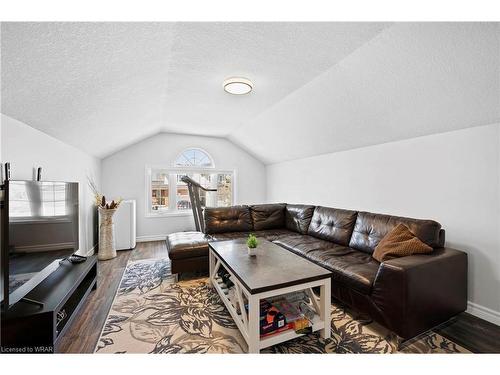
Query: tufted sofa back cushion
[[370, 228], [268, 216], [298, 217], [332, 224], [227, 219]]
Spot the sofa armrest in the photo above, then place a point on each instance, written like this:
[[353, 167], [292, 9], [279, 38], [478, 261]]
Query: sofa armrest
[[417, 292]]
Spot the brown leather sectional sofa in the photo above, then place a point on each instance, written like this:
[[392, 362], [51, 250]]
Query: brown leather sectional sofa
[[408, 295]]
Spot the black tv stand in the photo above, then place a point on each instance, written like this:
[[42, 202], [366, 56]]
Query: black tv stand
[[38, 327], [33, 302]]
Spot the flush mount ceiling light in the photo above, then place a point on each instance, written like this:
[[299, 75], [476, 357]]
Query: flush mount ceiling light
[[237, 85]]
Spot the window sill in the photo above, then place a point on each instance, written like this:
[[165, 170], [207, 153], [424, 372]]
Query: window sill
[[169, 214], [41, 220]]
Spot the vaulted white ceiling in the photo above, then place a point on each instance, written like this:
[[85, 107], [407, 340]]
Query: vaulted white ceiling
[[319, 87]]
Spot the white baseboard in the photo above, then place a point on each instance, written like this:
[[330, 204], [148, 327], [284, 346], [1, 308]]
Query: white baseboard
[[483, 312], [91, 251], [156, 237], [46, 247]]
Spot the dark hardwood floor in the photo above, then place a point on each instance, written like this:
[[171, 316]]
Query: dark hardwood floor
[[473, 333], [82, 336], [466, 330]]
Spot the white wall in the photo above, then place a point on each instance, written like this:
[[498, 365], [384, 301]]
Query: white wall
[[452, 177], [123, 175], [27, 148]]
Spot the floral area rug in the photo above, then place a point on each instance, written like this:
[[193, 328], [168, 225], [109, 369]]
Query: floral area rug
[[153, 314]]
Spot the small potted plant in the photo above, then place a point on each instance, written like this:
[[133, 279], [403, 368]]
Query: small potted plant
[[252, 245]]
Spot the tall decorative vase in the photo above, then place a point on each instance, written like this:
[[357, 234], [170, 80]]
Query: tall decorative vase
[[107, 247]]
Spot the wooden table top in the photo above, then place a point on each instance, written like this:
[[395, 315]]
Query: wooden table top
[[273, 267]]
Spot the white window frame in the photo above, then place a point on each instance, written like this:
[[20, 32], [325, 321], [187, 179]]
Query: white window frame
[[197, 149], [172, 188]]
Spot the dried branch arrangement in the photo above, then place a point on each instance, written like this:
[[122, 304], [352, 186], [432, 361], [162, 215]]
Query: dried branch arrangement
[[100, 200]]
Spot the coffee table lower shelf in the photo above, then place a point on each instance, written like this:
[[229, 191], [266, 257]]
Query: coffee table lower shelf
[[248, 322]]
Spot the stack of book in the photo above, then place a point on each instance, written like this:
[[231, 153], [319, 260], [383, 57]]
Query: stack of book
[[279, 314]]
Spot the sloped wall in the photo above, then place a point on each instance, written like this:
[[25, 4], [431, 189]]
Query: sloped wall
[[452, 177], [411, 80]]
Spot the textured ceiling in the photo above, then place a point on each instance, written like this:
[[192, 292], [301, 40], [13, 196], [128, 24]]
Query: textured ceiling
[[319, 87], [102, 86]]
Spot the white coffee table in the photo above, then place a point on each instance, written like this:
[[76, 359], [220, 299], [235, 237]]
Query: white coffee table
[[273, 271]]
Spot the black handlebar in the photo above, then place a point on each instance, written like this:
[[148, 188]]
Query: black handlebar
[[188, 180]]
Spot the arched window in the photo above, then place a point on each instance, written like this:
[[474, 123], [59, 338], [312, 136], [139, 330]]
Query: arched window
[[167, 194], [194, 157]]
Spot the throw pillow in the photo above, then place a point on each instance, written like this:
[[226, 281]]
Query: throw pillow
[[399, 242]]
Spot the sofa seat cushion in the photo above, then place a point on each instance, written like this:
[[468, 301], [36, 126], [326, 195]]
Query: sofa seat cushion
[[302, 244], [182, 245], [229, 236], [273, 234], [351, 267], [268, 234]]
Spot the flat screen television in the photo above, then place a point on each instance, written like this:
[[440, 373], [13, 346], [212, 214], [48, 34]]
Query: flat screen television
[[41, 230]]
